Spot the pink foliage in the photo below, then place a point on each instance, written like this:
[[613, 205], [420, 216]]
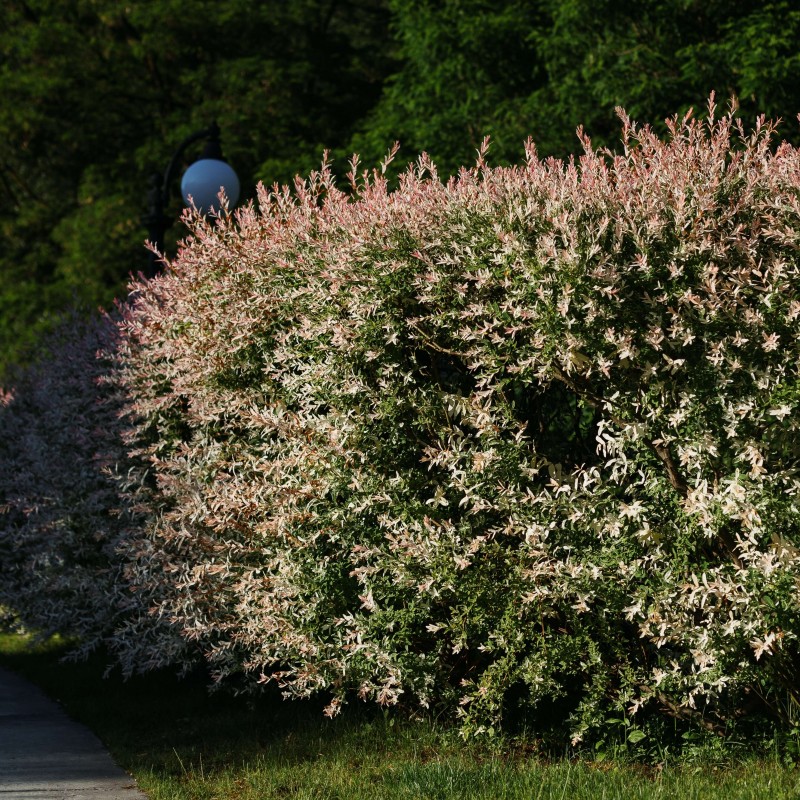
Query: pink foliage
[[534, 426], [59, 508]]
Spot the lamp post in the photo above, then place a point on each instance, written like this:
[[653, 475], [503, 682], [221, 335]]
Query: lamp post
[[201, 183]]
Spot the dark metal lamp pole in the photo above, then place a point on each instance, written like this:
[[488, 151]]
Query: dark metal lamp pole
[[201, 184]]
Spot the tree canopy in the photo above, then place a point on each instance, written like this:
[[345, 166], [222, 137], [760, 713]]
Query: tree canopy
[[518, 68], [97, 94]]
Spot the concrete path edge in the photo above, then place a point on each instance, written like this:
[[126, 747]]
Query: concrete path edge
[[44, 754]]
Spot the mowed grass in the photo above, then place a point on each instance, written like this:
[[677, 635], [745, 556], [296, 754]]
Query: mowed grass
[[180, 743]]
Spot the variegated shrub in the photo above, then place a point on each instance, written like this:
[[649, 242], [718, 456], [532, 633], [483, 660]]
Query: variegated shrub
[[59, 514], [521, 446]]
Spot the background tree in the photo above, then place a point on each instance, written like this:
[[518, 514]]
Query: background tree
[[96, 94], [515, 68]]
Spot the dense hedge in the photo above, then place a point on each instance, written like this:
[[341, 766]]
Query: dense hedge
[[521, 446], [58, 562]]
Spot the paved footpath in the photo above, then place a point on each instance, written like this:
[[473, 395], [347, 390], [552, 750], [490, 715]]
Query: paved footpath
[[44, 755]]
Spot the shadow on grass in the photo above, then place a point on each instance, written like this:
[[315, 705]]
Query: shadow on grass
[[173, 724], [183, 743]]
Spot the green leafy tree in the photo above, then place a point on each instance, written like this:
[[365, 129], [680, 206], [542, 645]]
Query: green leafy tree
[[512, 69], [97, 94], [654, 57], [467, 68]]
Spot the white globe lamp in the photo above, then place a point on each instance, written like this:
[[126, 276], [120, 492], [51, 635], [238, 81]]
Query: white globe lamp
[[203, 181], [201, 184]]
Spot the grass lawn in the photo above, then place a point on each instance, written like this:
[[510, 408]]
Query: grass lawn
[[181, 743]]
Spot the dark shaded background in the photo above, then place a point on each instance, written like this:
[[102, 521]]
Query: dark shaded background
[[96, 94]]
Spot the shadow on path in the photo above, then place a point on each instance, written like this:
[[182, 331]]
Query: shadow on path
[[45, 754]]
